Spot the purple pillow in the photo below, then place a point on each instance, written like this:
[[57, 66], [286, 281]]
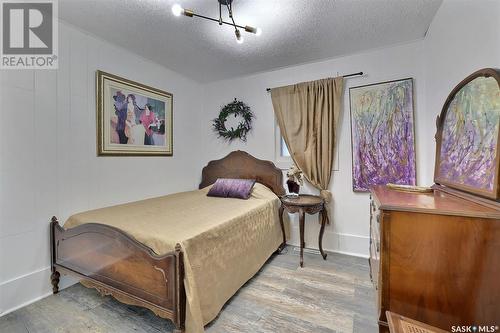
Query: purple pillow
[[232, 188]]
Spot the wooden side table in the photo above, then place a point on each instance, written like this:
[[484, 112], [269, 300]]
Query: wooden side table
[[310, 204]]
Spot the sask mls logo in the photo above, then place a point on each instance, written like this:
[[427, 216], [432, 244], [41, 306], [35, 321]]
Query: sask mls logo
[[475, 329], [29, 34]]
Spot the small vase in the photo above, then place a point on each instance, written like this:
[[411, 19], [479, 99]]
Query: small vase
[[293, 187]]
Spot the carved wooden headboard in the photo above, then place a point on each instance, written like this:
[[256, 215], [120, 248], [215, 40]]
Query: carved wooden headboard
[[240, 164]]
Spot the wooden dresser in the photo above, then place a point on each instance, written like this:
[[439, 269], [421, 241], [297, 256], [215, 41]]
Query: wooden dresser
[[435, 258]]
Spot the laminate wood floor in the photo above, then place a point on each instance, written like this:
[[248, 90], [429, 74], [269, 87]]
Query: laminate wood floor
[[329, 296]]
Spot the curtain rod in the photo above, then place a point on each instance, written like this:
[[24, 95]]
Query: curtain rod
[[344, 76]]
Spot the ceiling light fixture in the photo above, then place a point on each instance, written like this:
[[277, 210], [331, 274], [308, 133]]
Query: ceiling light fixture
[[177, 10]]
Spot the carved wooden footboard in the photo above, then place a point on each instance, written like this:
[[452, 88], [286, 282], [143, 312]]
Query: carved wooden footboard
[[107, 259], [115, 264]]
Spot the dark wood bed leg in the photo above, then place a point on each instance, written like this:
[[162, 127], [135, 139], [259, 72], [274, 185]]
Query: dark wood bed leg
[[54, 277], [180, 307]]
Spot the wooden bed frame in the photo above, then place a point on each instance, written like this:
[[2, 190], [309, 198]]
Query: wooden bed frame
[[114, 263]]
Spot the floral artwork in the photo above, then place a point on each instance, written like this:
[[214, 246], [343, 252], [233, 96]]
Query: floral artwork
[[468, 154], [382, 132]]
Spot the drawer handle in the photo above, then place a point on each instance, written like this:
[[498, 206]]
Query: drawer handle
[[378, 246]]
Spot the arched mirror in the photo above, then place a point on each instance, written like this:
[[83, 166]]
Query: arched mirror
[[467, 138]]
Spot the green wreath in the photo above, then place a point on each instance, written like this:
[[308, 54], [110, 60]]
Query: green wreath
[[236, 108]]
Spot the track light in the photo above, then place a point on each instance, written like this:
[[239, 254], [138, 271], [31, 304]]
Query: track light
[[177, 10], [256, 31], [188, 13]]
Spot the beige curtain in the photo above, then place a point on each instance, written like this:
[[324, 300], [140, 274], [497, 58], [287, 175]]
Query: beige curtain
[[308, 116]]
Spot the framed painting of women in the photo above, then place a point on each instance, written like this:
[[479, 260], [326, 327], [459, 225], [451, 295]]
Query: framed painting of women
[[132, 119]]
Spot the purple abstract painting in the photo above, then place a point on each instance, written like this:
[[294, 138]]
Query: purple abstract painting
[[383, 138], [468, 154]]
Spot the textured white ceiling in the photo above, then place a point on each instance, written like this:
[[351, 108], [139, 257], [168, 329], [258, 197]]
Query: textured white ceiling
[[294, 31]]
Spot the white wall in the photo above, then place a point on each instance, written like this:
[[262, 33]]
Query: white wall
[[463, 37], [350, 230], [48, 155]]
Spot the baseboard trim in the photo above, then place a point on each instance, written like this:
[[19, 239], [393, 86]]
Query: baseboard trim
[[22, 305], [348, 244], [28, 288], [24, 290], [23, 276], [316, 251], [352, 254]]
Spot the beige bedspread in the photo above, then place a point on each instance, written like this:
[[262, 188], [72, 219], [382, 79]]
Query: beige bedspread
[[225, 241]]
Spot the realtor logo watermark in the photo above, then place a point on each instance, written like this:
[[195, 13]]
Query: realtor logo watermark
[[28, 34]]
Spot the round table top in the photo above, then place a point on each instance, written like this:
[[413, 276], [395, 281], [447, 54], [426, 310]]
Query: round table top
[[302, 200]]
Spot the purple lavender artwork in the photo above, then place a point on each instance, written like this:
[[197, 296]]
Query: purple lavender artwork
[[382, 130], [468, 155]]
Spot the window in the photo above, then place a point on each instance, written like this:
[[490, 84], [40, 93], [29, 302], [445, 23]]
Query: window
[[284, 149], [283, 159]]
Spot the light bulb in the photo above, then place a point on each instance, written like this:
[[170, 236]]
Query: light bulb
[[258, 32], [177, 10], [239, 38]]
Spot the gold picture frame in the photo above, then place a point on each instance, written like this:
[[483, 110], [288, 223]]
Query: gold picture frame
[[133, 119]]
